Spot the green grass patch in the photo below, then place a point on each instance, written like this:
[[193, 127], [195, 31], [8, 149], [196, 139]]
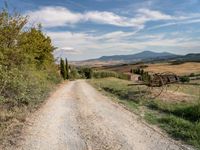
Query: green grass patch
[[180, 120], [116, 88], [181, 129], [150, 118], [189, 112]]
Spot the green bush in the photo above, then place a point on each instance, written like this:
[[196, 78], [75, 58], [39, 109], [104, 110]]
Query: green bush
[[27, 70], [74, 73], [106, 74], [85, 72], [184, 79]]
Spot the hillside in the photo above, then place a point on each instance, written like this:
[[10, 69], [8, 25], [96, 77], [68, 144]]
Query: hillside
[[190, 57], [145, 55]]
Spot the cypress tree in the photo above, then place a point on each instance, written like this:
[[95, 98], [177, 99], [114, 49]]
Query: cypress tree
[[63, 69], [67, 68]]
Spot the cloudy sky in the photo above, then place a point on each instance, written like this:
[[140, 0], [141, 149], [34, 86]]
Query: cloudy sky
[[83, 29]]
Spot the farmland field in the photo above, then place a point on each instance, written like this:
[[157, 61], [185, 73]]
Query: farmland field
[[180, 69]]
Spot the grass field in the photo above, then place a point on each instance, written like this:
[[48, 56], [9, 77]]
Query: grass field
[[180, 69], [180, 119]]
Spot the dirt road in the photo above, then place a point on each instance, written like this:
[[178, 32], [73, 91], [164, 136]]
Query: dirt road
[[77, 117]]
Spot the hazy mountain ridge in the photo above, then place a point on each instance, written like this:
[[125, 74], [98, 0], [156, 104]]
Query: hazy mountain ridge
[[190, 57], [145, 55]]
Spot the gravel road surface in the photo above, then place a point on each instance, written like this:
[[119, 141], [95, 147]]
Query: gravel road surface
[[78, 117]]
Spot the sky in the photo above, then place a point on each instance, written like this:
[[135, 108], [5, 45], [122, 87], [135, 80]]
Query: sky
[[85, 29]]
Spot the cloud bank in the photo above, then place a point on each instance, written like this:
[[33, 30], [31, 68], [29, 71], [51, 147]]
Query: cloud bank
[[60, 16]]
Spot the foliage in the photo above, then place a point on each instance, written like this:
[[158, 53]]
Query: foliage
[[27, 69], [144, 75], [67, 68], [85, 72], [184, 79], [63, 71], [137, 70], [181, 120], [105, 74], [74, 73]]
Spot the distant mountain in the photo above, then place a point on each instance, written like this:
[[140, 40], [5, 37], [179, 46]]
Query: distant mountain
[[145, 55], [190, 57]]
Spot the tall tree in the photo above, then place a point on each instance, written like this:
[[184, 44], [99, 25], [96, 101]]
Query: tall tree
[[63, 69], [11, 27], [67, 68], [38, 47]]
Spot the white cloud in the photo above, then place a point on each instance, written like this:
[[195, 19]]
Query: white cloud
[[65, 51], [88, 45], [176, 23], [108, 18], [153, 15], [60, 16], [53, 16]]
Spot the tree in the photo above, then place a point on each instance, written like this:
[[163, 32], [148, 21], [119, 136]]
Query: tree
[[184, 79], [88, 73], [11, 27], [67, 68], [63, 69], [38, 48], [26, 59]]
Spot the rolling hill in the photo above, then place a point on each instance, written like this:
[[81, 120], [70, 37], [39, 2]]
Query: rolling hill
[[145, 55]]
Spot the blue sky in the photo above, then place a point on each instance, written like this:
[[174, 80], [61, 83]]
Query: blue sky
[[83, 29]]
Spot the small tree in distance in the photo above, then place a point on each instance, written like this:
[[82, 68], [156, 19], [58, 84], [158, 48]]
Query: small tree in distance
[[67, 68], [63, 69]]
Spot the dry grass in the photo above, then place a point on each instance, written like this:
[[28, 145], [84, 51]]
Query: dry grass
[[181, 69]]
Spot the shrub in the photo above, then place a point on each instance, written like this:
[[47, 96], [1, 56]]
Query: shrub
[[184, 79], [192, 75], [106, 74], [27, 69], [74, 73]]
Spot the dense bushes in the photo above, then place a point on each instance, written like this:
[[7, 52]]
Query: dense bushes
[[27, 69], [144, 76], [88, 73], [25, 58], [73, 73], [105, 74], [184, 79]]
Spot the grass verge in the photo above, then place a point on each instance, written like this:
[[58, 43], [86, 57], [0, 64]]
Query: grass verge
[[179, 120]]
